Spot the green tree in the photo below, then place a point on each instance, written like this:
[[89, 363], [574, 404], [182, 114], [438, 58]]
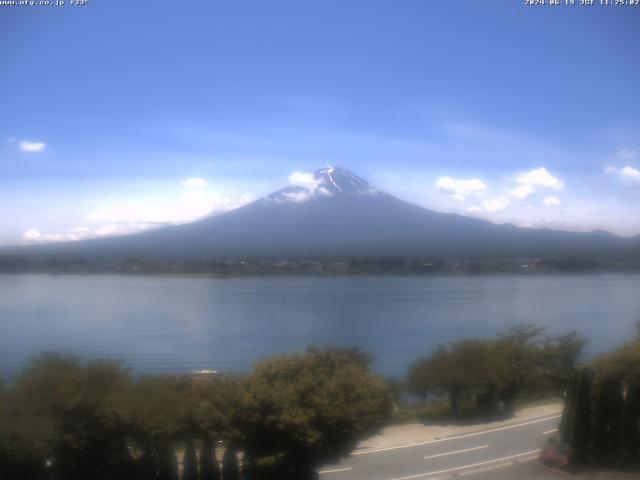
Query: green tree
[[24, 441], [497, 370], [304, 409], [74, 415], [419, 379], [156, 405], [518, 360], [560, 357], [460, 370], [213, 405]]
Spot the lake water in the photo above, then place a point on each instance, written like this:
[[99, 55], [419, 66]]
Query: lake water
[[159, 324]]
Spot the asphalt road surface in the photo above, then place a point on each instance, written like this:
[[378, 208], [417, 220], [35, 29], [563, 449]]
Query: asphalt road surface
[[479, 455]]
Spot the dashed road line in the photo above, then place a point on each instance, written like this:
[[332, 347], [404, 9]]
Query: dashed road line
[[462, 467], [384, 449], [457, 451], [335, 470]]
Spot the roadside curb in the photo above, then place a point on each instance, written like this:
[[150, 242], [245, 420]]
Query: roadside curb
[[452, 432]]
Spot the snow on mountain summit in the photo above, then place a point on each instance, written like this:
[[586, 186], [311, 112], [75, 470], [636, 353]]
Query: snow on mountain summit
[[342, 181], [325, 182]]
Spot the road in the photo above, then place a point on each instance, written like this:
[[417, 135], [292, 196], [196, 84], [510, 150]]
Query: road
[[471, 454]]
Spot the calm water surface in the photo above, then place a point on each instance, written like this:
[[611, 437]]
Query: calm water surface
[[159, 324]]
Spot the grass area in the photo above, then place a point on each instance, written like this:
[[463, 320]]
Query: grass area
[[420, 412]]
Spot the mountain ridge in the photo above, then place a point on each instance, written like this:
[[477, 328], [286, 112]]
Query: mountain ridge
[[335, 213]]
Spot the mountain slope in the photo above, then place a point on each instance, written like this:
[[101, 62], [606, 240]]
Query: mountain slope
[[336, 213]]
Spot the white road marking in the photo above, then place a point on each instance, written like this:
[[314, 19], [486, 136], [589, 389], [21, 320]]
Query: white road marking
[[335, 470], [550, 431], [495, 466], [457, 451], [384, 449], [471, 465]]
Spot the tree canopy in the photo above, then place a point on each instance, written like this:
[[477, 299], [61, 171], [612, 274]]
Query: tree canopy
[[312, 407], [72, 420], [497, 370]]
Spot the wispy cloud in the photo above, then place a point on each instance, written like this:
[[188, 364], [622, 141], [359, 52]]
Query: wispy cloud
[[195, 182], [460, 189], [137, 214], [83, 233], [305, 180], [530, 181], [491, 205], [308, 184], [540, 177], [31, 147], [495, 204], [167, 211], [522, 191], [628, 174], [551, 201]]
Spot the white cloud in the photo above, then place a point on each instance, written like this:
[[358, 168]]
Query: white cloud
[[83, 233], [308, 186], [551, 201], [194, 204], [31, 147], [491, 206], [530, 181], [495, 205], [195, 182], [107, 230], [305, 180], [460, 189], [523, 191], [134, 215], [631, 174], [34, 236], [628, 174], [300, 196], [540, 177]]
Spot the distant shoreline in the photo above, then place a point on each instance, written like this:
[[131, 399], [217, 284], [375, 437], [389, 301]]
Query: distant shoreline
[[237, 275], [320, 267]]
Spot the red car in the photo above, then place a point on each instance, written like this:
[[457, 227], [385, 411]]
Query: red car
[[555, 454]]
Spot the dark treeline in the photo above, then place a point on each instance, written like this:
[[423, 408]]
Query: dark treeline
[[601, 421], [224, 267], [64, 419]]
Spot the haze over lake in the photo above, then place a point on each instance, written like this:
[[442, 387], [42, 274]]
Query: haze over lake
[[163, 324]]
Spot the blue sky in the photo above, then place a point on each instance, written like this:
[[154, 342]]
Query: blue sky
[[119, 116]]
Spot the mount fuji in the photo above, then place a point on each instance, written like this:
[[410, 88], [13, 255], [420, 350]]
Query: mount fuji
[[335, 213]]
